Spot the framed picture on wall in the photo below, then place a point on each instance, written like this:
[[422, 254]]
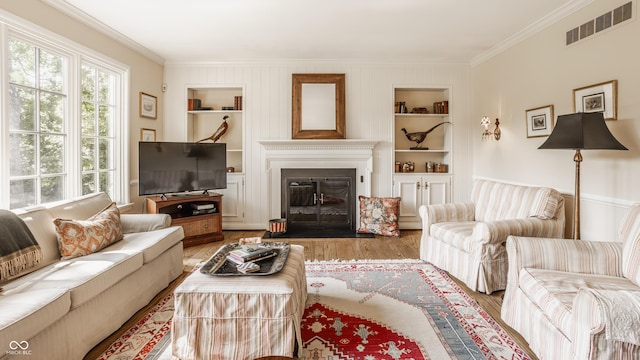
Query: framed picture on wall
[[147, 134], [601, 97], [539, 121], [148, 106]]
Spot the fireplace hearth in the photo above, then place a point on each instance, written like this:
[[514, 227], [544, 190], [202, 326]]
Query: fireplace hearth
[[318, 198]]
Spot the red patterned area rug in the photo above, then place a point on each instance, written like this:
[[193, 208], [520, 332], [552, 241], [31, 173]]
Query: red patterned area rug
[[366, 309]]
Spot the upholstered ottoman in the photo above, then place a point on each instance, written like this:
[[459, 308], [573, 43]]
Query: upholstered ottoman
[[240, 317]]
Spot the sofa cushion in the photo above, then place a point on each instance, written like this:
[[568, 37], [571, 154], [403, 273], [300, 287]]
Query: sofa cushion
[[26, 313], [40, 222], [84, 277], [455, 234], [19, 250], [133, 223], [150, 243], [500, 201], [82, 237], [379, 215], [553, 291], [629, 234], [80, 208]]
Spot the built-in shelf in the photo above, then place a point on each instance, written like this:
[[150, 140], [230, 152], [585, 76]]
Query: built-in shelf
[[438, 141], [420, 115], [425, 185], [204, 123], [421, 151], [213, 111]]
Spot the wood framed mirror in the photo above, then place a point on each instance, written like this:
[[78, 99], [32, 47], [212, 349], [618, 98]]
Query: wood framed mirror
[[318, 108]]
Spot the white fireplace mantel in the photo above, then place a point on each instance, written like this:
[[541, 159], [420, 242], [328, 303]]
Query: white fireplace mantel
[[322, 145], [316, 154]]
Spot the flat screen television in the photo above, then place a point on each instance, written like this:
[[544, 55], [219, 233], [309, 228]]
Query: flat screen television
[[181, 167]]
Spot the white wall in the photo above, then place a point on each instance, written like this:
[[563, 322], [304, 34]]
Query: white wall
[[542, 70], [369, 110]]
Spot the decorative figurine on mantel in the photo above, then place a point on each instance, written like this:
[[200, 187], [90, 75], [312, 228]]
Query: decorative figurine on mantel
[[419, 136], [222, 129]]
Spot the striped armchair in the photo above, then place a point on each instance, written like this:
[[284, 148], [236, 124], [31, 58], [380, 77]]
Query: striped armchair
[[468, 239], [573, 299]]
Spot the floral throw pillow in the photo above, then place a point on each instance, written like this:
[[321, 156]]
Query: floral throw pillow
[[83, 237], [379, 215]]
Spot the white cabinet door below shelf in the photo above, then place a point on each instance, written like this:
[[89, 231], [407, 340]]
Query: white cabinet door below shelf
[[233, 199], [416, 190], [408, 189], [436, 190]]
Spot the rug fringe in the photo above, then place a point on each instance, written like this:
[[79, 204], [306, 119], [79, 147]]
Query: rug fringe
[[363, 261]]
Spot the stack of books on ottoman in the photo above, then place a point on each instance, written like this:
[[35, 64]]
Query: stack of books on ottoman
[[249, 256], [246, 257]]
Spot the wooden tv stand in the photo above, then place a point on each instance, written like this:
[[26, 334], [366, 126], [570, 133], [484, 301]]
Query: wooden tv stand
[[200, 226]]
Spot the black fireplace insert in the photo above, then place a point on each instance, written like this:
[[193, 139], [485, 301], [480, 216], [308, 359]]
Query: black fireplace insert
[[319, 198]]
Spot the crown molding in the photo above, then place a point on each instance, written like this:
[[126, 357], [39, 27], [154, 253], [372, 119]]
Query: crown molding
[[94, 23], [553, 17], [513, 40]]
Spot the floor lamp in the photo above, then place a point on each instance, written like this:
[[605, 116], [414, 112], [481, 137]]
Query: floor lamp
[[581, 131]]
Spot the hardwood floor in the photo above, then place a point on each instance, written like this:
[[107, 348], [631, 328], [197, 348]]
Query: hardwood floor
[[405, 247]]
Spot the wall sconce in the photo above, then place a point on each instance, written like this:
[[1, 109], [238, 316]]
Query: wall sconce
[[486, 134], [497, 132]]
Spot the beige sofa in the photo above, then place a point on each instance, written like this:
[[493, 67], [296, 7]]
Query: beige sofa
[[574, 299], [63, 308], [468, 239]]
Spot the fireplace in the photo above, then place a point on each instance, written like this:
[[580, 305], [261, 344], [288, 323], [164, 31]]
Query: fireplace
[[315, 154], [318, 198]]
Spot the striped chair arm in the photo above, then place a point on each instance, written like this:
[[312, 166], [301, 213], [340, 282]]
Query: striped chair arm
[[496, 232], [450, 212], [577, 256], [591, 335]]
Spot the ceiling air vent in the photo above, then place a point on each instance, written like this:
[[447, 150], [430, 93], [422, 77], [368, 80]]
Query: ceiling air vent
[[602, 22]]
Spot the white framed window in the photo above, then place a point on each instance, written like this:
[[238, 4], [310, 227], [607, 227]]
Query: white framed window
[[64, 121], [98, 127], [38, 119]]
